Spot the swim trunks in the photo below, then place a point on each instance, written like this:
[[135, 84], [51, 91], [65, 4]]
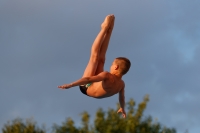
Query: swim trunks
[[84, 88]]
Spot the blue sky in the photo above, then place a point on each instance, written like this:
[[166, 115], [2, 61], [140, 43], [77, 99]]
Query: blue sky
[[47, 43]]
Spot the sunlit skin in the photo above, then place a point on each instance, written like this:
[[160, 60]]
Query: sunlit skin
[[104, 84]]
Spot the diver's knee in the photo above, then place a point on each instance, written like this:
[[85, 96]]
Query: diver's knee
[[102, 60], [94, 58]]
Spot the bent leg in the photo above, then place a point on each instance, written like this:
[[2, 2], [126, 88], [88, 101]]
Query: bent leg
[[95, 50], [104, 47]]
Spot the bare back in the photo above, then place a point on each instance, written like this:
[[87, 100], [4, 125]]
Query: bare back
[[106, 88]]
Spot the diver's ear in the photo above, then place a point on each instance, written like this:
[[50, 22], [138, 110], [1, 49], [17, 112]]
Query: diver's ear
[[116, 67]]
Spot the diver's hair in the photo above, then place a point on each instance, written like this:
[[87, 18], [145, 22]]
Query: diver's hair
[[124, 64]]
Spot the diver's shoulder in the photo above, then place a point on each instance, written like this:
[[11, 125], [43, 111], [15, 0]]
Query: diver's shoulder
[[122, 82]]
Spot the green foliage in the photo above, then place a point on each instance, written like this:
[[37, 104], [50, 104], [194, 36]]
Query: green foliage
[[67, 127], [111, 122], [19, 126], [104, 122]]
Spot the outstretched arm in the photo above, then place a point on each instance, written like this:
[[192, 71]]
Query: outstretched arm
[[122, 103], [85, 80]]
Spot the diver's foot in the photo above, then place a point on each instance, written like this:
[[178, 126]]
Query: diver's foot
[[111, 25], [107, 22]]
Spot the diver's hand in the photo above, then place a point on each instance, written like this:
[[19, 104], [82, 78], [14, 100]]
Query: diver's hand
[[121, 110], [65, 86]]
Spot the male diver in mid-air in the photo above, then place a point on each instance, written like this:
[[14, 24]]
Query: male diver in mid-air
[[96, 82]]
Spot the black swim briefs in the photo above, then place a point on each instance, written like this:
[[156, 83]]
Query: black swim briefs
[[83, 89]]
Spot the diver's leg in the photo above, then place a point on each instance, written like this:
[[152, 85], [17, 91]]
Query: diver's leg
[[104, 47], [95, 50]]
